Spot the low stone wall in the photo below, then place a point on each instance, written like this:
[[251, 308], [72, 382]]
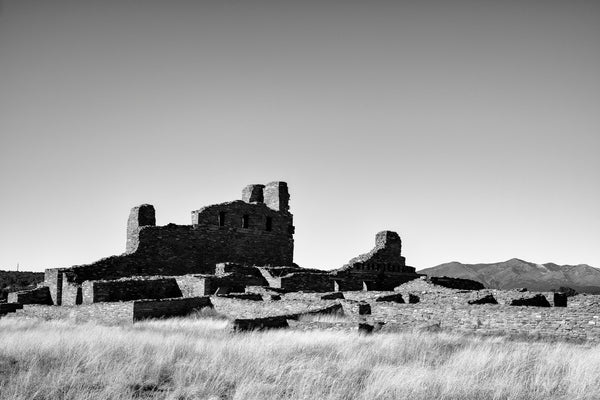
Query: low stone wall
[[129, 289], [193, 285], [143, 309], [281, 321], [206, 285], [434, 294], [456, 283], [40, 295], [102, 313], [115, 313], [6, 308], [583, 324], [360, 280], [259, 324], [244, 309], [314, 282]]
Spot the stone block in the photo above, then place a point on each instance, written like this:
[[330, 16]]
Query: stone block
[[259, 324], [456, 283], [143, 309], [364, 309], [539, 300], [333, 296], [365, 328], [560, 299], [243, 296], [395, 298], [489, 299], [40, 295]]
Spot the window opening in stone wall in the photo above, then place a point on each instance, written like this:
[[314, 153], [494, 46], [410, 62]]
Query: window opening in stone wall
[[245, 221], [222, 218], [269, 224]]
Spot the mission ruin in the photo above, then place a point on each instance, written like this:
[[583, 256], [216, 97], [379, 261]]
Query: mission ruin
[[237, 259], [228, 247]]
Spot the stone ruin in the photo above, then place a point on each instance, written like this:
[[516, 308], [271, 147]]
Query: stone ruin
[[228, 247], [237, 257]]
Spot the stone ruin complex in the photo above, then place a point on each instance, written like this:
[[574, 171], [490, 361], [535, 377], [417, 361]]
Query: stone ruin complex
[[238, 258], [227, 248]]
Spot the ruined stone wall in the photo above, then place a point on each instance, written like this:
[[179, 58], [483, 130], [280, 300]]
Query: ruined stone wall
[[249, 234], [53, 280], [193, 285], [129, 289], [382, 268], [115, 313], [139, 217], [256, 232], [178, 250], [369, 281], [40, 295], [572, 322], [456, 283], [143, 309], [430, 293], [71, 293], [102, 313], [299, 281]]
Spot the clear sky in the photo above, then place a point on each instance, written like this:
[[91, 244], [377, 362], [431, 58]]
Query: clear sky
[[472, 128]]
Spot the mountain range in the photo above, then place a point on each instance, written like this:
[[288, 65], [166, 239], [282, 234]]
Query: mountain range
[[516, 273]]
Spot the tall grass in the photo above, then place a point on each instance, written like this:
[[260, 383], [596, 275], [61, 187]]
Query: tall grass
[[200, 359]]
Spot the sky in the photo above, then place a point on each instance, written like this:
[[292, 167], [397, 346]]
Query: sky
[[471, 128]]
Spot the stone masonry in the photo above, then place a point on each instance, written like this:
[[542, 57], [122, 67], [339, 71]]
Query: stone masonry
[[258, 231]]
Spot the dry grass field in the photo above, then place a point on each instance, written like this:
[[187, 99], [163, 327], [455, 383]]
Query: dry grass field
[[191, 358]]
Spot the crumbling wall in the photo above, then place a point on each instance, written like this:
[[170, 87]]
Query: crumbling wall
[[140, 216], [129, 289], [193, 285], [53, 280], [307, 281], [383, 268], [143, 309], [116, 313], [243, 233], [39, 295], [385, 257], [456, 283], [259, 233], [71, 292], [559, 322]]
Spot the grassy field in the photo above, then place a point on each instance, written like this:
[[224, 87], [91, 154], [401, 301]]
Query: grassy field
[[200, 359]]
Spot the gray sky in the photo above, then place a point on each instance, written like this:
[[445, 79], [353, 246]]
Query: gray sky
[[471, 128]]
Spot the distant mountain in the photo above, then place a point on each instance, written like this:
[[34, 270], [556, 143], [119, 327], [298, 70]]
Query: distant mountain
[[12, 281], [517, 273]]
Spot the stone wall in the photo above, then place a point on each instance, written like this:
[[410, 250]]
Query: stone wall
[[245, 233], [143, 309], [383, 268], [102, 313], [129, 289], [194, 285], [71, 293], [369, 281], [139, 217], [53, 280], [112, 313], [572, 323], [40, 295], [456, 283], [307, 282]]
